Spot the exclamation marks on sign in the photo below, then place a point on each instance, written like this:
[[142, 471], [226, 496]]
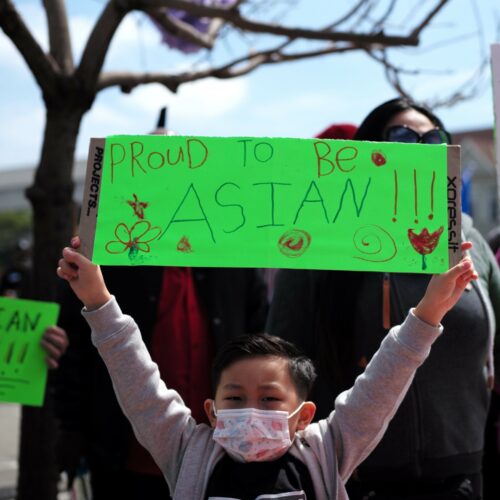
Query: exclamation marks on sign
[[6, 361], [9, 355], [22, 355], [415, 196], [431, 215], [415, 192], [12, 358], [396, 193]]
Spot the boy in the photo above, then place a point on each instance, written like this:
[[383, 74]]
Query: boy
[[261, 443]]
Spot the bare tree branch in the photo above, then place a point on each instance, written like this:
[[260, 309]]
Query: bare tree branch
[[180, 28], [217, 23], [469, 89], [416, 32], [392, 73], [115, 11], [43, 67], [348, 15], [383, 18], [233, 16], [240, 66], [215, 27], [364, 14], [59, 39], [98, 44]]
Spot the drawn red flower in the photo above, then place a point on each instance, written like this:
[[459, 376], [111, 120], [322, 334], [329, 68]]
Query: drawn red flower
[[138, 206], [184, 245], [425, 242], [134, 239], [378, 158]]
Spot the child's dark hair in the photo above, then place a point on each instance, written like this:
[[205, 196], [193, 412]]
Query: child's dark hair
[[301, 368]]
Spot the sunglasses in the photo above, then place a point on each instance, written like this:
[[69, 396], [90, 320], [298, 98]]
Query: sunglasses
[[401, 133]]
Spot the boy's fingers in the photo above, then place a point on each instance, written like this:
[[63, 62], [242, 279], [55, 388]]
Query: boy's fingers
[[467, 277], [71, 256], [466, 245], [463, 267], [75, 242], [64, 263], [64, 275], [67, 268]]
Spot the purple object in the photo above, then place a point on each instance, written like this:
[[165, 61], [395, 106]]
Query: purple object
[[201, 24]]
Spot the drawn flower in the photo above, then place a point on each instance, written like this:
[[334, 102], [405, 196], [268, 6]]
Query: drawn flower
[[134, 239], [184, 245], [425, 242], [378, 158]]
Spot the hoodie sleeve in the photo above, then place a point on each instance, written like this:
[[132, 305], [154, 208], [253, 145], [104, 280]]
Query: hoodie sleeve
[[363, 413]]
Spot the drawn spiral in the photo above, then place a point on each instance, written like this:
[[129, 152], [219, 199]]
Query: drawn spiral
[[294, 243], [374, 243]]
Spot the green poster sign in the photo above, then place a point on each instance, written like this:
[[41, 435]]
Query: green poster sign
[[262, 202], [23, 371]]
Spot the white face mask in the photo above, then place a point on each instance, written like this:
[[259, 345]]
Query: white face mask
[[252, 435]]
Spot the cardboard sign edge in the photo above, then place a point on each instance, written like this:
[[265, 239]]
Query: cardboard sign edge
[[91, 194], [495, 79], [454, 201]]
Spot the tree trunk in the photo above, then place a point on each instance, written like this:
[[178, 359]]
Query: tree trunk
[[53, 223]]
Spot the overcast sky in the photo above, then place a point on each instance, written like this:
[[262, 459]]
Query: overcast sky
[[291, 100]]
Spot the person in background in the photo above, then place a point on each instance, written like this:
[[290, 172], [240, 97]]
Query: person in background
[[493, 239], [13, 284], [345, 131], [491, 462], [15, 277], [433, 448], [185, 315]]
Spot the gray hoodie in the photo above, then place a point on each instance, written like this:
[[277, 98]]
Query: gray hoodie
[[186, 452]]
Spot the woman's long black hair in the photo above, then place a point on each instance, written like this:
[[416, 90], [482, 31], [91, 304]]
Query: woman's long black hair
[[374, 124]]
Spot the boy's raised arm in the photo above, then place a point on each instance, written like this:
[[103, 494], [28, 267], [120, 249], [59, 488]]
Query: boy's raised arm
[[445, 289], [84, 277]]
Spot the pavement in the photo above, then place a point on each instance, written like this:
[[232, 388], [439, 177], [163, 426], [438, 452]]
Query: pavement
[[10, 419], [10, 425]]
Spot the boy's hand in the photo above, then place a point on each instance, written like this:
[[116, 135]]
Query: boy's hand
[[54, 342], [84, 277], [445, 289]]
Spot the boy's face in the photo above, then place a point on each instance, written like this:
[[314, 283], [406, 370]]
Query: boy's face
[[261, 382]]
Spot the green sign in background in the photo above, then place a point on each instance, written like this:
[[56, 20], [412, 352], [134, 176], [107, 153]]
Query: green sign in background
[[23, 370], [262, 202]]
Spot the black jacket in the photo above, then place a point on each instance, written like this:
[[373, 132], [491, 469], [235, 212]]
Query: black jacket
[[235, 301]]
